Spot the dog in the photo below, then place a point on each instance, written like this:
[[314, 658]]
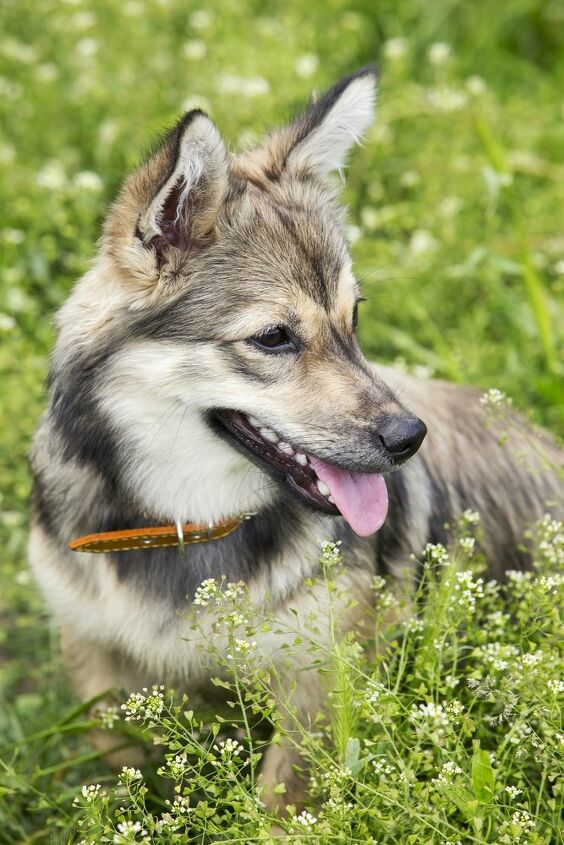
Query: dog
[[207, 369]]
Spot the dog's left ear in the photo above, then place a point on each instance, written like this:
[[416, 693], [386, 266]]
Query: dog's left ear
[[319, 140]]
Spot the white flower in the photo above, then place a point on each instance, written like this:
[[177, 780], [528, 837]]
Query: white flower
[[436, 553], [145, 705], [447, 99], [448, 773], [200, 19], [512, 791], [494, 397], [127, 832], [409, 179], [194, 50], [128, 773], [206, 592], [439, 53], [306, 819], [87, 47], [556, 686], [52, 176], [108, 717], [230, 83], [47, 72], [13, 236], [90, 793], [395, 48], [229, 748], [432, 714], [306, 65], [87, 180], [475, 85], [422, 242], [468, 545], [559, 267]]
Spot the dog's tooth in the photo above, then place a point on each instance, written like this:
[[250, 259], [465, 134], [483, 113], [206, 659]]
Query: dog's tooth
[[285, 447], [301, 458], [268, 435], [322, 487], [254, 421], [331, 499]]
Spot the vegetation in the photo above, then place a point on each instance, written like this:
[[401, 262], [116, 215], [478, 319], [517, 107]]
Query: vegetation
[[454, 218]]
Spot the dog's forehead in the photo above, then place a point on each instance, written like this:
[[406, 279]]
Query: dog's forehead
[[289, 250]]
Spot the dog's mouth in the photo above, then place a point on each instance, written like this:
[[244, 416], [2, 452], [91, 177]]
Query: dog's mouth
[[361, 498]]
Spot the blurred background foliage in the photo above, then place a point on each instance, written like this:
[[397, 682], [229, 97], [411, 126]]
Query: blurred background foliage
[[455, 201]]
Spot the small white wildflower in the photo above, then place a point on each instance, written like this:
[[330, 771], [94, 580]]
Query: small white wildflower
[[354, 233], [409, 179], [383, 767], [439, 53], [559, 267], [467, 590], [436, 553], [447, 774], [87, 180], [475, 85], [454, 710], [422, 242], [556, 687], [499, 655], [145, 705], [470, 517], [13, 236], [522, 819], [231, 83], [447, 99], [200, 19], [331, 554], [451, 682], [520, 732], [414, 626], [46, 72], [128, 831], [52, 176], [194, 50], [206, 592], [468, 545], [229, 748], [180, 806], [128, 773], [494, 397], [87, 47], [533, 658], [395, 48], [306, 65], [90, 793], [432, 714], [306, 819], [513, 792]]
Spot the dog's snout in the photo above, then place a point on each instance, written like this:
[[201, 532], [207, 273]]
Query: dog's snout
[[402, 437]]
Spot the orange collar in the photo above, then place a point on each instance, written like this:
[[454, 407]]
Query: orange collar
[[158, 537]]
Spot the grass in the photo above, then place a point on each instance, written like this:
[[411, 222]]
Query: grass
[[453, 212]]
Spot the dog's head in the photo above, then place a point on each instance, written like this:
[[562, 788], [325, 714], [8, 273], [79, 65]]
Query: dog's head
[[225, 292]]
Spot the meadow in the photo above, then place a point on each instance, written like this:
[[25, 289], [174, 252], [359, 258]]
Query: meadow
[[455, 220]]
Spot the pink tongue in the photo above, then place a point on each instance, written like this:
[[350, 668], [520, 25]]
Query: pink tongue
[[361, 498]]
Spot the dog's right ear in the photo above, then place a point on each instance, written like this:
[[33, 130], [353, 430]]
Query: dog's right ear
[[168, 207]]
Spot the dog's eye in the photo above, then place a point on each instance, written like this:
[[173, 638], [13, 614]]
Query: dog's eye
[[355, 317], [275, 339]]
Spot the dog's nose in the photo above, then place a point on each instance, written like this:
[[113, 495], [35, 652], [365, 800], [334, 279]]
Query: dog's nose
[[402, 437]]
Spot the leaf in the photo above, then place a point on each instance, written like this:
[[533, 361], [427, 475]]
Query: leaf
[[483, 778], [352, 756]]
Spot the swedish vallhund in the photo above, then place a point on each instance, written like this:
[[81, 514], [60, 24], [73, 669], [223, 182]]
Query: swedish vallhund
[[207, 380]]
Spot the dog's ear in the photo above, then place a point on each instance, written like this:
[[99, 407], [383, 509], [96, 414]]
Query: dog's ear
[[319, 140], [185, 200], [170, 204]]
